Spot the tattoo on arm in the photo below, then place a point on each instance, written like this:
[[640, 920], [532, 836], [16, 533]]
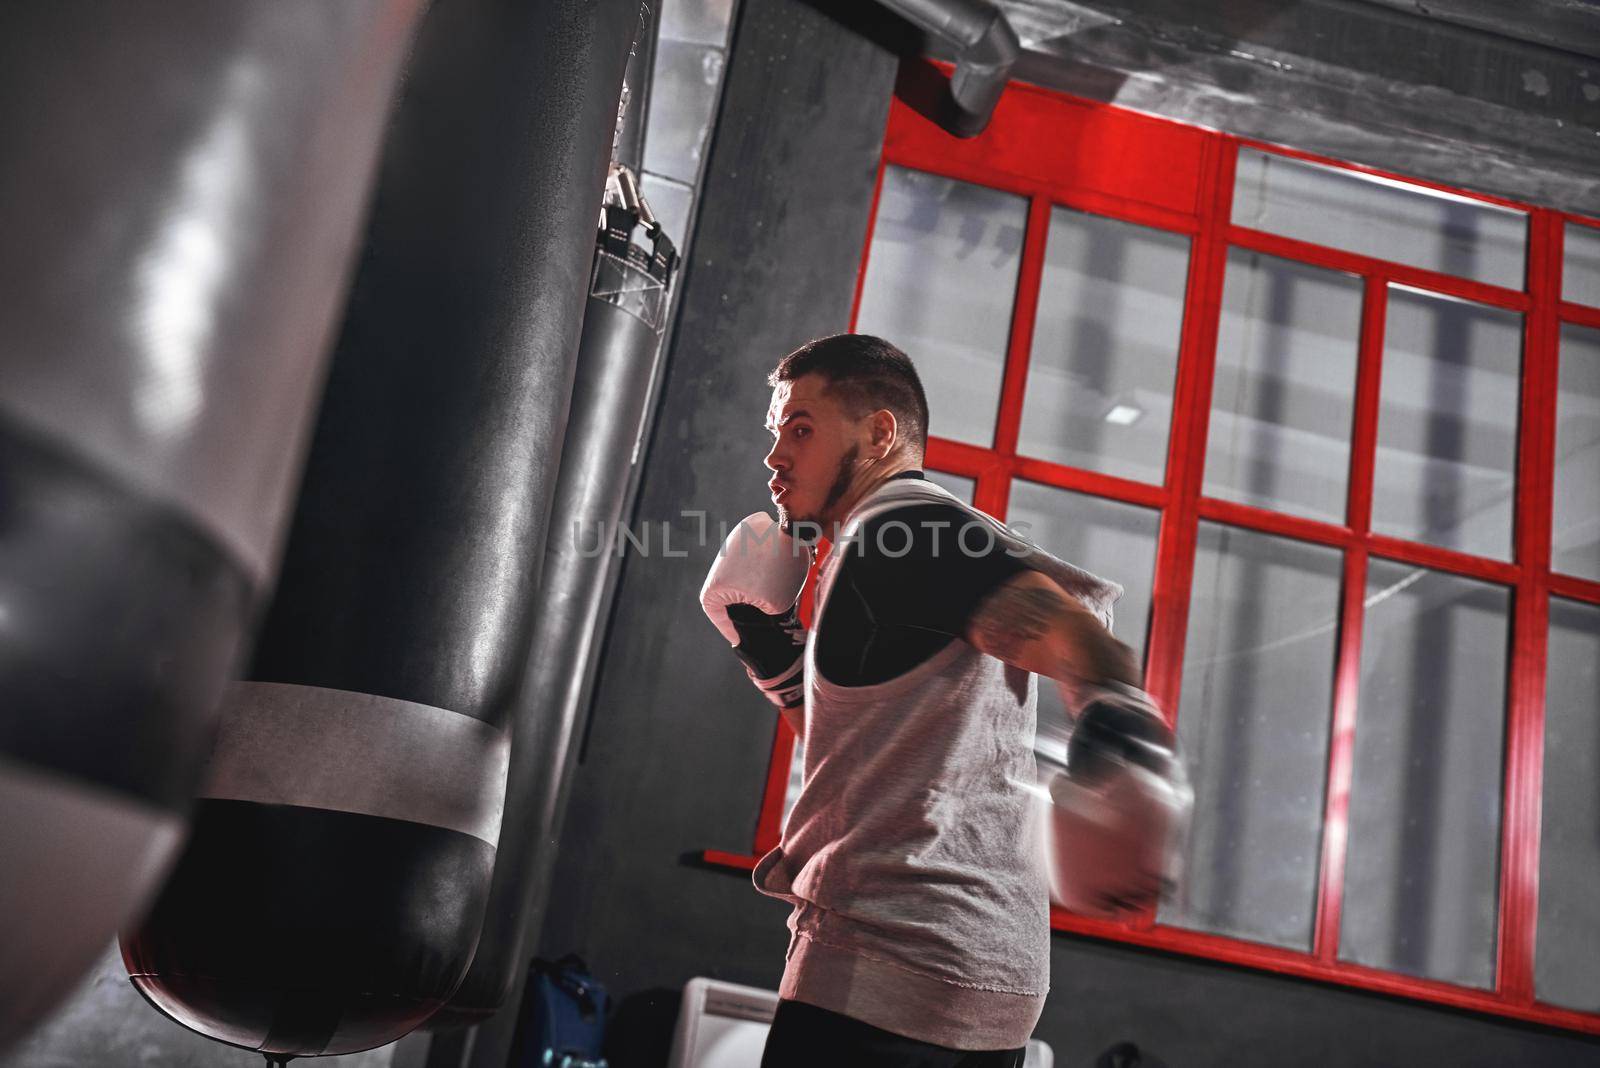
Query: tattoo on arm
[[1034, 626], [1013, 617]]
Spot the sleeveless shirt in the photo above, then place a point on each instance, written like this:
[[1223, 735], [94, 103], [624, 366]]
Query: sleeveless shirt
[[912, 854]]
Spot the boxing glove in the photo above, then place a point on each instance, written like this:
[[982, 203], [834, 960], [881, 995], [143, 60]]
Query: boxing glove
[[1119, 810], [752, 594]]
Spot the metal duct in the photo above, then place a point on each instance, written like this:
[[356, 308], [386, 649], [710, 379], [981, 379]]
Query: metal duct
[[988, 47]]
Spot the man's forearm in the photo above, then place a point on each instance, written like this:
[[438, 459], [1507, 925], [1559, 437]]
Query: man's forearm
[[1093, 654]]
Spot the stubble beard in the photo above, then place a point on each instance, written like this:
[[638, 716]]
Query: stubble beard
[[787, 520]]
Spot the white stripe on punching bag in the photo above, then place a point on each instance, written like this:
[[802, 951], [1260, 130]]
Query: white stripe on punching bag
[[283, 744]]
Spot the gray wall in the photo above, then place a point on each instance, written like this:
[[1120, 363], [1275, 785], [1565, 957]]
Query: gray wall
[[676, 756]]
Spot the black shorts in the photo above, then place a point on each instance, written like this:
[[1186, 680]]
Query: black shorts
[[804, 1036]]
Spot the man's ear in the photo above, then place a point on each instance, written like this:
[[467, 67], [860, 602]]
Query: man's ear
[[884, 432]]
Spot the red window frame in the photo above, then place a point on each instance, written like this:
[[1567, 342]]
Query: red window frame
[[1059, 150]]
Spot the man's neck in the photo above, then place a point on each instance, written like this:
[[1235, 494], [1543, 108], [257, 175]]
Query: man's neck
[[867, 484]]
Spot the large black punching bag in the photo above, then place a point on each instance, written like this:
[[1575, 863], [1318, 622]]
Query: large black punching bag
[[332, 893], [625, 313], [181, 195], [621, 332]]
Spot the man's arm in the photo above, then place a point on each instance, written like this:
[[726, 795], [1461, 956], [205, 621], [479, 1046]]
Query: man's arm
[[1033, 624], [1118, 809]]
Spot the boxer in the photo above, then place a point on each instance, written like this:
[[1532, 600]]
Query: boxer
[[920, 922]]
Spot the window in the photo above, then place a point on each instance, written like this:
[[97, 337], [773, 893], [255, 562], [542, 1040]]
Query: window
[[1338, 433]]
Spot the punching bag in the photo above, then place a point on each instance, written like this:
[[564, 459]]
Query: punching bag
[[621, 335], [181, 198], [331, 896]]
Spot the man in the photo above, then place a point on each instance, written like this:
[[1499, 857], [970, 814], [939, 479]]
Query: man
[[920, 931]]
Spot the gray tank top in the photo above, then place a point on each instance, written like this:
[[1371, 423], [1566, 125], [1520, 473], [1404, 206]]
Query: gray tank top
[[912, 854]]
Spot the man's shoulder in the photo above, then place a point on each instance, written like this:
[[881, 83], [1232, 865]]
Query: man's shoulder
[[911, 525], [920, 511], [925, 565], [919, 541]]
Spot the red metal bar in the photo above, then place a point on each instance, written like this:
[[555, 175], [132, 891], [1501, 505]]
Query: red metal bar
[[1092, 482], [769, 821], [993, 495], [1364, 422], [1524, 768], [971, 461], [1024, 308], [1270, 522], [1352, 618], [1355, 263], [959, 458], [1581, 314], [769, 824], [1575, 589], [1431, 556], [1191, 409], [737, 861]]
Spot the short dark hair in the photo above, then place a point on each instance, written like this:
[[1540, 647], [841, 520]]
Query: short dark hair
[[866, 373]]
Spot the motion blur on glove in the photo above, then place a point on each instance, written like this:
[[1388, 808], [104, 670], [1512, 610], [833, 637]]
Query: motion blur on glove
[[1119, 810]]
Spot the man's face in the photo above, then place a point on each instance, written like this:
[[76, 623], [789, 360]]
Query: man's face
[[815, 448]]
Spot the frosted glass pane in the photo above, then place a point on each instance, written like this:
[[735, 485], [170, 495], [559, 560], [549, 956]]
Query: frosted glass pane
[[1423, 863], [685, 83], [1580, 273], [960, 485], [1575, 534], [1447, 423], [1379, 217], [1284, 392], [696, 21], [1569, 845], [1105, 346], [941, 278], [1257, 700], [1114, 540]]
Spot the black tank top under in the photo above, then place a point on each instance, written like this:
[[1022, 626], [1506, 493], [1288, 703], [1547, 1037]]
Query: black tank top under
[[906, 588]]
